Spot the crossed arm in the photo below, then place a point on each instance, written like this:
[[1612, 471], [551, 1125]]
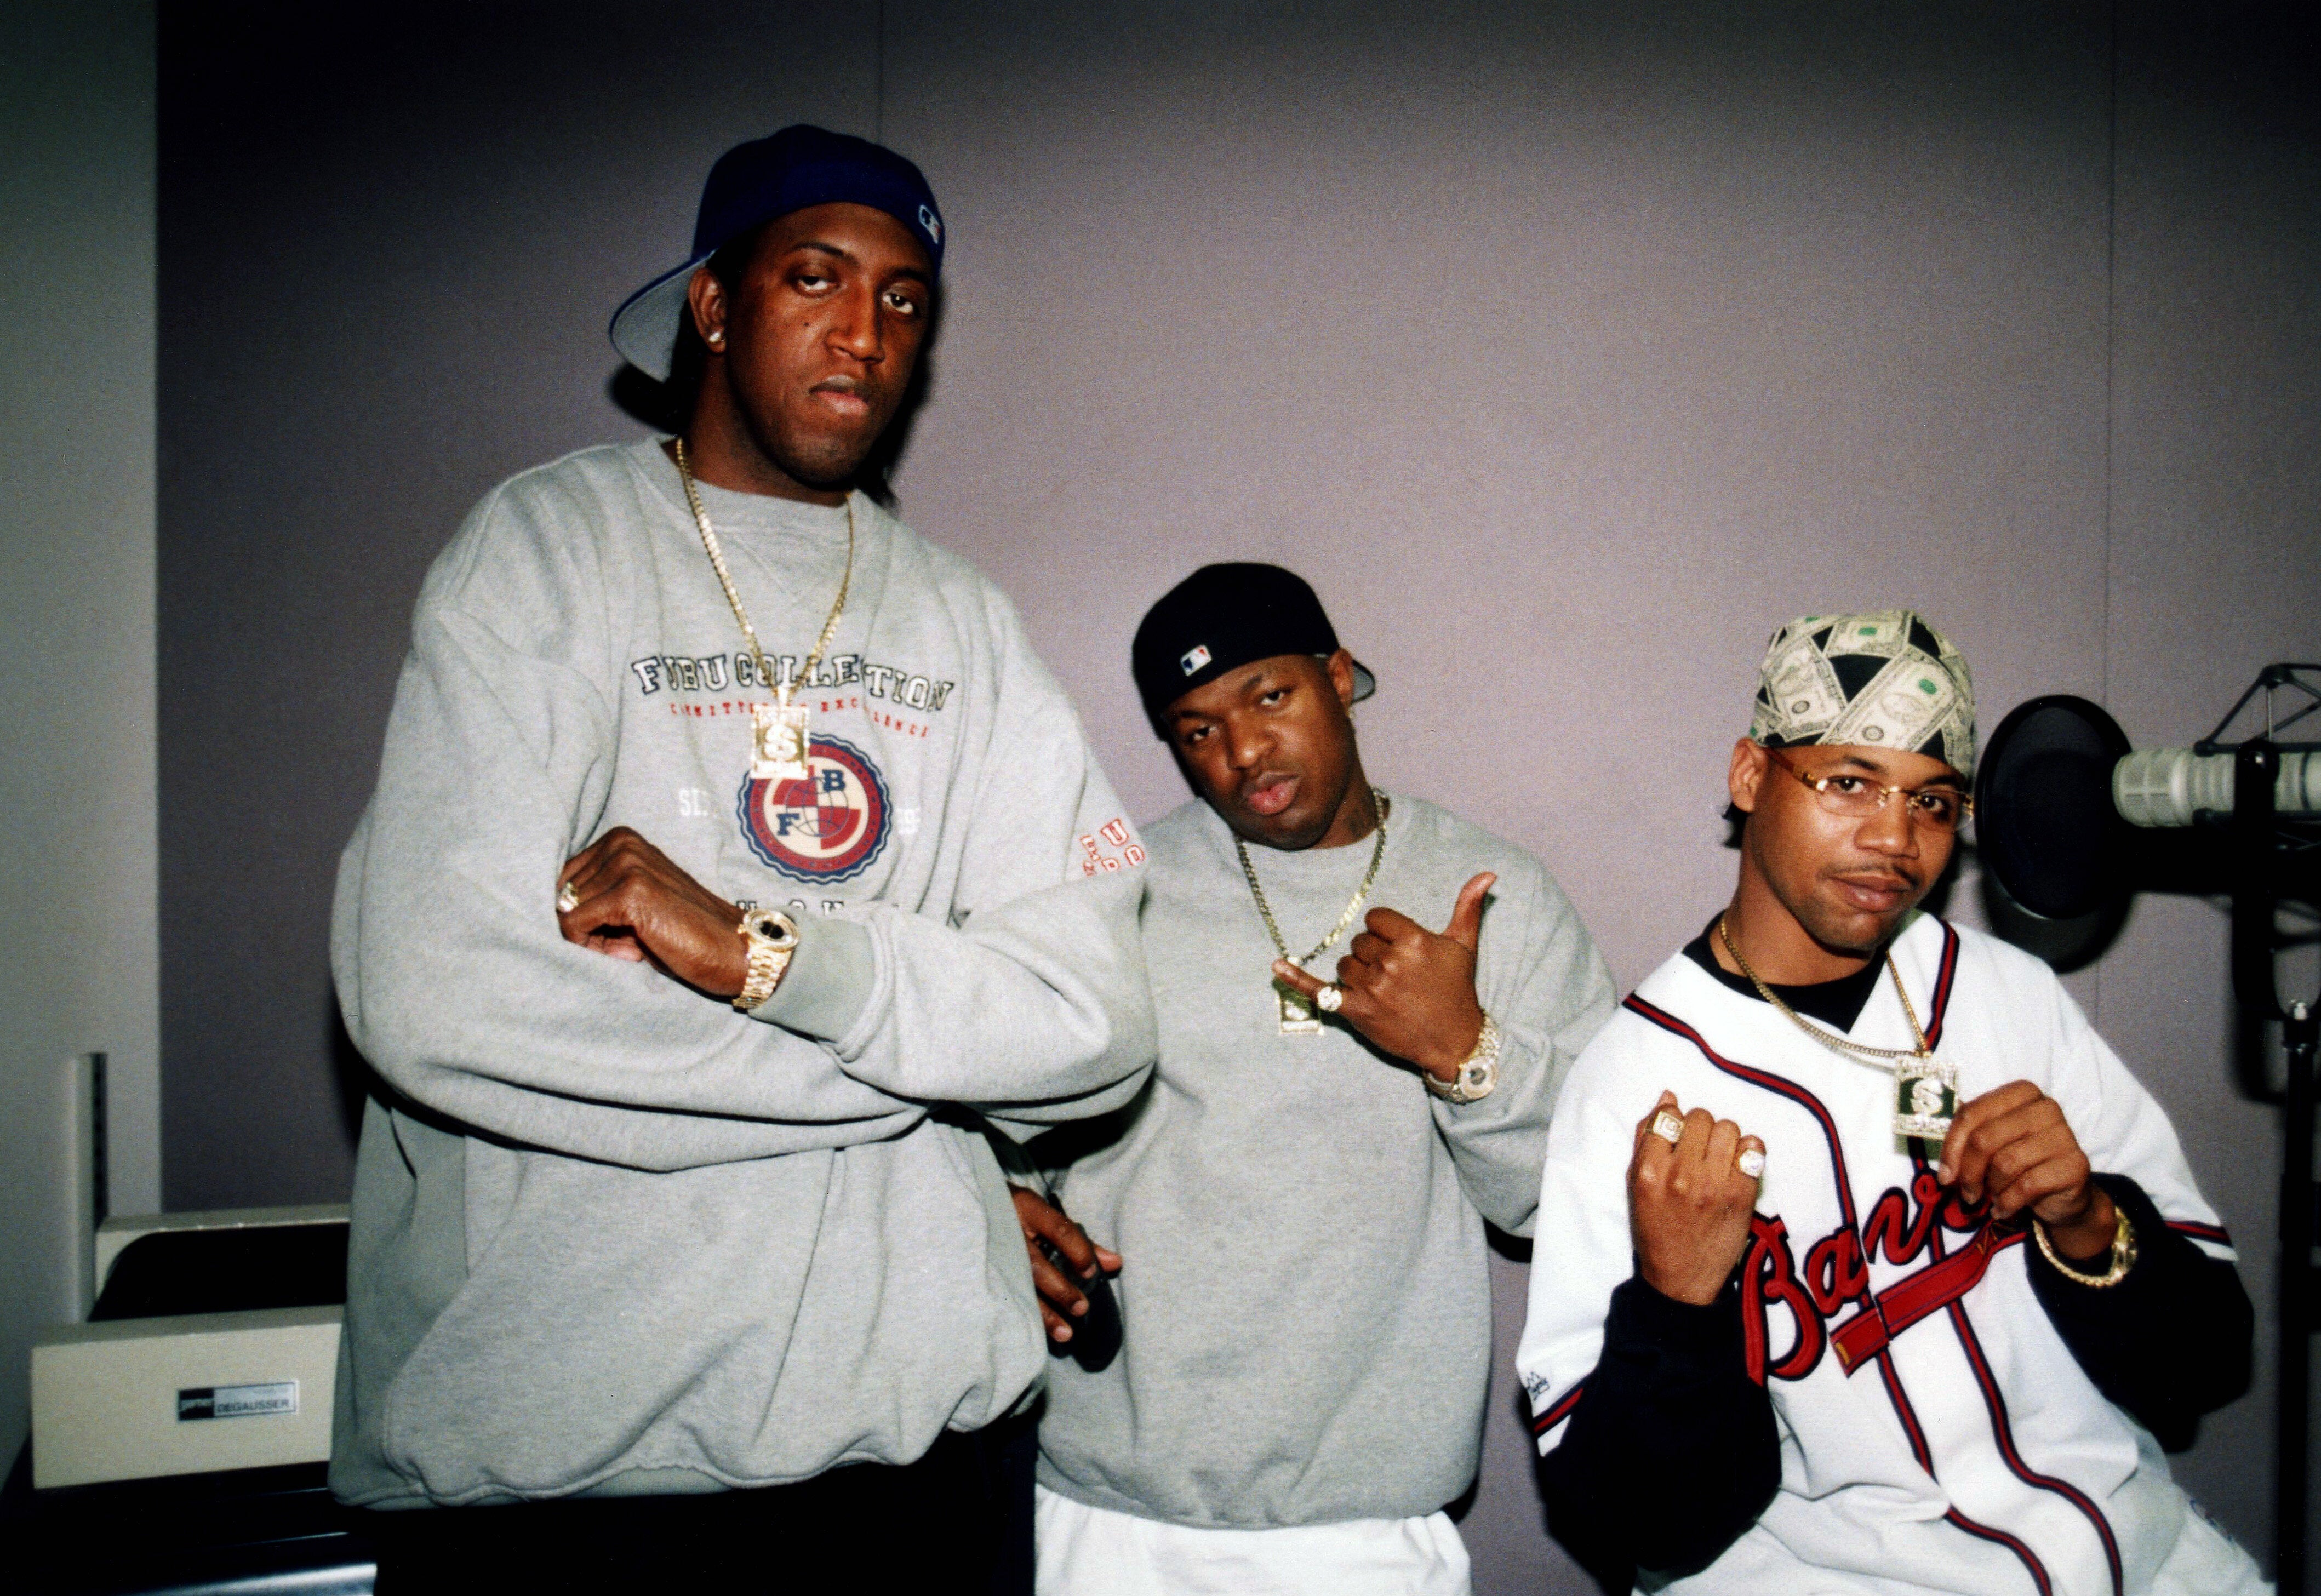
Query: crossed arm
[[474, 996], [630, 901]]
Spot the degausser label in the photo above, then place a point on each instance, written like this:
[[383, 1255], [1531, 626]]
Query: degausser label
[[238, 1401]]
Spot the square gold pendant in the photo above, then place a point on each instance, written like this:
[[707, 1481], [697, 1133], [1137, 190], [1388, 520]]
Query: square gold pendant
[[1298, 1015], [778, 743], [1925, 1097]]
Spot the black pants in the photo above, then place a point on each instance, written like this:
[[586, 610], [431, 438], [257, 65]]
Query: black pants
[[958, 1520]]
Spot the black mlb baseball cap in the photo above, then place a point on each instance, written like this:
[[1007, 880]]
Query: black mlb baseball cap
[[1223, 617]]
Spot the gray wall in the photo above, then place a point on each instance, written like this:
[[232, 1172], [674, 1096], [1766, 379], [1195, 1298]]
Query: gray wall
[[76, 769], [1568, 350]]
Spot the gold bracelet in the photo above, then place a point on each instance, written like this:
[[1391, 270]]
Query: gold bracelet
[[2123, 1252]]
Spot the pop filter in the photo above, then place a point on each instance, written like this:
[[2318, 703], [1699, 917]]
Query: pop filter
[[2046, 823]]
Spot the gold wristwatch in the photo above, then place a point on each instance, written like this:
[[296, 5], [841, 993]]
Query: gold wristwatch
[[1478, 1075], [773, 938]]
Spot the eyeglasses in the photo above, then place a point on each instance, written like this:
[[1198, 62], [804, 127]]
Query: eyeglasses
[[1939, 807]]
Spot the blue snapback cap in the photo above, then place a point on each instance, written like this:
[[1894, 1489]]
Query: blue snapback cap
[[755, 183]]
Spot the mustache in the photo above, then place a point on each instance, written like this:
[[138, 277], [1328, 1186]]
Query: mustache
[[1880, 875]]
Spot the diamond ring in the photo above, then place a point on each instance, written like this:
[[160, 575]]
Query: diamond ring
[[1668, 1126], [568, 898], [1328, 999]]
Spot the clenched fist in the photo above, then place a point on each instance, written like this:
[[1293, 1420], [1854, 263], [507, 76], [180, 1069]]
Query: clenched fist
[[1409, 990], [1689, 1204]]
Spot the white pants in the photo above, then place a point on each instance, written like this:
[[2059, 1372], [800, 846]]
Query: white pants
[[2206, 1562], [1084, 1551]]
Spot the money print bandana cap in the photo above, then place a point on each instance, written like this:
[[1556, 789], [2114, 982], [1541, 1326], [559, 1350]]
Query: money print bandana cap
[[1885, 679]]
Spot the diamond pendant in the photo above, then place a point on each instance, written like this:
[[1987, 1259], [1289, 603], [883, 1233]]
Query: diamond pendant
[[1925, 1097], [778, 743], [1298, 1015]]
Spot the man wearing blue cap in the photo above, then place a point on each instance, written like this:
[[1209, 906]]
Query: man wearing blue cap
[[1345, 1095], [732, 859]]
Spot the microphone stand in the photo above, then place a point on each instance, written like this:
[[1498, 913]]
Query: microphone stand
[[2298, 1035], [2270, 858]]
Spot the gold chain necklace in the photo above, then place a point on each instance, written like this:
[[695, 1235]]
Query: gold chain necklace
[[1298, 1017], [1925, 1088], [778, 743]]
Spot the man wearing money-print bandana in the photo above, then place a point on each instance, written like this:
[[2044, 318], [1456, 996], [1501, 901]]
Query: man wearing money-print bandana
[[1862, 1262]]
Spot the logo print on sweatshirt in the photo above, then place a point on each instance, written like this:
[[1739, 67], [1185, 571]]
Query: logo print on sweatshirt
[[827, 825]]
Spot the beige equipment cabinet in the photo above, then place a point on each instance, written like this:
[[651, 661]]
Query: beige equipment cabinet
[[130, 1399]]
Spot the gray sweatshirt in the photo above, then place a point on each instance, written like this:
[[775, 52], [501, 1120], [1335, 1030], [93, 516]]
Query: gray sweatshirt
[[1306, 1303], [609, 1234]]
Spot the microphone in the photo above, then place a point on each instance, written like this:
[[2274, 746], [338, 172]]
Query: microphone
[[2061, 798], [2069, 820], [2176, 786]]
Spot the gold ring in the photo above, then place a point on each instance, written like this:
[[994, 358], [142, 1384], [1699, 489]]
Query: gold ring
[[568, 898], [1752, 1164], [1328, 999], [1668, 1126]]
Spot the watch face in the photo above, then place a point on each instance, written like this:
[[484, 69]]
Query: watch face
[[776, 929]]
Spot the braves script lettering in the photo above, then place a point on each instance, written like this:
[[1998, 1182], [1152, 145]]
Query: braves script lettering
[[1834, 1282]]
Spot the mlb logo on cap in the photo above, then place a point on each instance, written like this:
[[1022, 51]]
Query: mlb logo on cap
[[1221, 618]]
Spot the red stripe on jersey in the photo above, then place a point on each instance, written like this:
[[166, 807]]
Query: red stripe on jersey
[[1938, 1009], [1905, 1413], [2005, 1432], [1910, 1427], [1558, 1411], [1919, 1295], [1771, 1082], [2038, 1571], [2002, 1429], [1945, 978]]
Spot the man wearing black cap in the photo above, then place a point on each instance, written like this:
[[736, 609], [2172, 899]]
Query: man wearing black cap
[[730, 851], [1300, 1196]]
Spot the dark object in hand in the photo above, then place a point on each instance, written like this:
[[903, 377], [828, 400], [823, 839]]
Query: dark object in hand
[[1096, 1334]]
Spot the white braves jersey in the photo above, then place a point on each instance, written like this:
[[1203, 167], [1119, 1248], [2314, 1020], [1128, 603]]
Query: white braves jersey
[[1928, 1444]]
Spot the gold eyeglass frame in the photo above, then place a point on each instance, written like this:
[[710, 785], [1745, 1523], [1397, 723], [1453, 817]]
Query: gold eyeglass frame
[[1820, 785]]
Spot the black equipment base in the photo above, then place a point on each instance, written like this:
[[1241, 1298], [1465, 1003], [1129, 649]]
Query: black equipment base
[[246, 1532]]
